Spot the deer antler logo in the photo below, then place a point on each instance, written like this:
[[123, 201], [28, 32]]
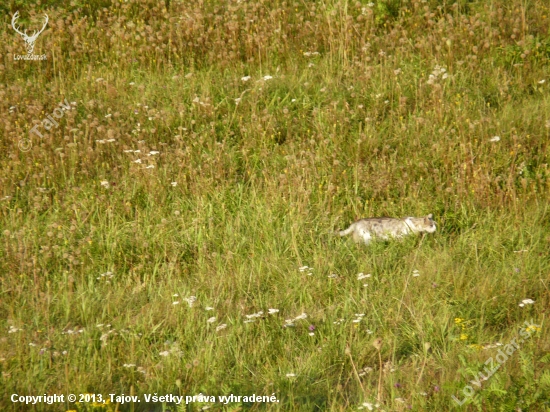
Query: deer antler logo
[[30, 40]]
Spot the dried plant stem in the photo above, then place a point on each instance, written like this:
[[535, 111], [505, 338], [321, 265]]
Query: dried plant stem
[[427, 346], [348, 351], [379, 397], [421, 370]]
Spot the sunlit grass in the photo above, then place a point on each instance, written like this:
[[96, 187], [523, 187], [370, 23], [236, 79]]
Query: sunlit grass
[[173, 235]]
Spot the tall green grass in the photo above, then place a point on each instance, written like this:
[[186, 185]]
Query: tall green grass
[[211, 151]]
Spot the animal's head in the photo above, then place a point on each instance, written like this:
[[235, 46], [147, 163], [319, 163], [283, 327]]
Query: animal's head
[[424, 224], [428, 224]]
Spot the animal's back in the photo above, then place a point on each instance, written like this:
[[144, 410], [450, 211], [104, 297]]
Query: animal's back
[[388, 227], [383, 227]]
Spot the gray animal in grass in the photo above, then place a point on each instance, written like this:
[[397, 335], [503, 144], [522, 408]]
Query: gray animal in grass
[[385, 228]]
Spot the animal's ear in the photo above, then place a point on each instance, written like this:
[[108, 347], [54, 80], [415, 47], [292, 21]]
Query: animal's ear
[[430, 216]]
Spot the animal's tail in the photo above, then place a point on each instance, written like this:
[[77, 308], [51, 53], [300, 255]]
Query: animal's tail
[[345, 232]]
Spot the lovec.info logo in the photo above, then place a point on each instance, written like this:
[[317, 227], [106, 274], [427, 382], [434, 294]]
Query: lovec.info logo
[[29, 40]]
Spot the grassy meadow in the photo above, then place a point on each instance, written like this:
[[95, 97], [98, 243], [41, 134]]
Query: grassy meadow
[[173, 233]]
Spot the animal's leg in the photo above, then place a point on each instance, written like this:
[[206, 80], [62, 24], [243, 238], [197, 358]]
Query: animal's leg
[[366, 236]]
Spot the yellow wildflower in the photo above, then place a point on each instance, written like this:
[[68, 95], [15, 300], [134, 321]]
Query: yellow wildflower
[[533, 328]]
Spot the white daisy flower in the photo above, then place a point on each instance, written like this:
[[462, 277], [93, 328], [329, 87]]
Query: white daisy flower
[[255, 315], [526, 302]]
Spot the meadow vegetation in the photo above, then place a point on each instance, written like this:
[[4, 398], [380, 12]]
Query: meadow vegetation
[[210, 151]]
